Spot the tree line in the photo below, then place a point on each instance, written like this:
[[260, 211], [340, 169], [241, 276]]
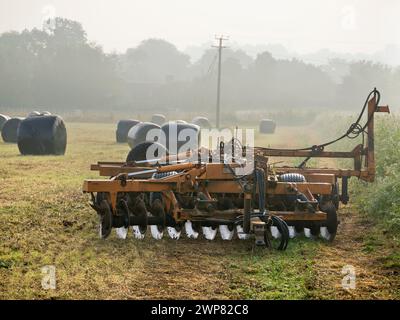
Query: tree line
[[59, 68]]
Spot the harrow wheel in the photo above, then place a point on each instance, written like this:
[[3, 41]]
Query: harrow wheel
[[121, 232], [209, 232], [240, 233], [192, 231], [139, 232], [328, 231], [292, 232], [226, 231], [156, 232], [298, 227], [275, 232], [157, 210], [174, 232], [105, 216], [314, 231], [140, 211]]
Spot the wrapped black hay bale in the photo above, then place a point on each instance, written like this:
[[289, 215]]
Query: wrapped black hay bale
[[181, 136], [3, 120], [123, 128], [159, 119], [202, 122], [267, 126], [9, 132], [44, 135], [143, 132], [147, 153]]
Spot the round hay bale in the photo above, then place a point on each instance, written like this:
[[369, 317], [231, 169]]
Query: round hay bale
[[139, 133], [9, 133], [45, 135], [3, 120], [202, 122], [181, 136], [123, 128], [140, 153], [45, 113], [158, 119], [267, 126]]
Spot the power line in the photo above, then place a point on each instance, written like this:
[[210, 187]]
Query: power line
[[212, 64], [220, 39]]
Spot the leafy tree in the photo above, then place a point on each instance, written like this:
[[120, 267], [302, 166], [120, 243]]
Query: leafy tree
[[154, 61]]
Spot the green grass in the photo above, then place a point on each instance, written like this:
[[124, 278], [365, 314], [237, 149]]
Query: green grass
[[280, 275]]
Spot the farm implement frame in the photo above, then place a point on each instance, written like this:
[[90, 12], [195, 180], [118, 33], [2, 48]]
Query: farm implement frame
[[272, 204]]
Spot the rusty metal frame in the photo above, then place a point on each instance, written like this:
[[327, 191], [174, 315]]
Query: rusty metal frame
[[211, 178]]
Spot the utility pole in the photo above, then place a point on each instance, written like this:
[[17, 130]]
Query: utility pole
[[220, 39]]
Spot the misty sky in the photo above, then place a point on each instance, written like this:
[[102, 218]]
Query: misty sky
[[303, 26]]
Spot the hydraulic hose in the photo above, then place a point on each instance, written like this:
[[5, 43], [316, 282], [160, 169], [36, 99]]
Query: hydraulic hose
[[352, 132]]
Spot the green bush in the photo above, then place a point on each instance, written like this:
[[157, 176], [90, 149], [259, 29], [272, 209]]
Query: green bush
[[381, 199]]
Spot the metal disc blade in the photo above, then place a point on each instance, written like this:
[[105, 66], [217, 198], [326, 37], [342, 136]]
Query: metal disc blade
[[275, 232], [307, 233], [225, 232], [190, 232], [240, 233], [101, 230], [105, 220], [209, 233], [292, 232], [156, 233], [325, 234], [173, 233], [121, 232], [137, 233]]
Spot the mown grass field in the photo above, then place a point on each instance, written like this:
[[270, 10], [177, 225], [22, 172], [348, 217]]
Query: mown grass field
[[46, 220]]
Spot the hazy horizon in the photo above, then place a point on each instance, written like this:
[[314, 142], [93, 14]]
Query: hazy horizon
[[59, 65], [342, 26]]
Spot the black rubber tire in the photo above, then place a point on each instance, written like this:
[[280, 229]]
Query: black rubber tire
[[292, 177]]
